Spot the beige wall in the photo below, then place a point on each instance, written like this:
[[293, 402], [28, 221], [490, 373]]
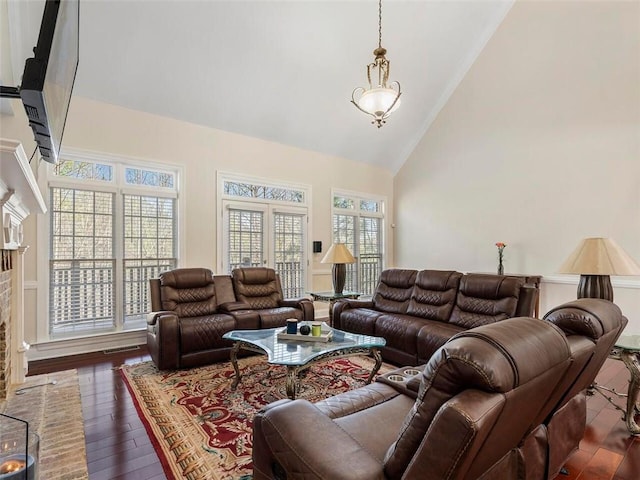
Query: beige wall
[[98, 127], [538, 147]]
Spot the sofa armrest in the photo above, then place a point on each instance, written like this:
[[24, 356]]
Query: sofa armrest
[[527, 301], [162, 339], [345, 304], [153, 318], [305, 443], [304, 304], [229, 307]]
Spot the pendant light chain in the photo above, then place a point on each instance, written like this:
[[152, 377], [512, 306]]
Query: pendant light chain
[[379, 23]]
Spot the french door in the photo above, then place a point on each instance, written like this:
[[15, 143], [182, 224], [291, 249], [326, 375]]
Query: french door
[[260, 234]]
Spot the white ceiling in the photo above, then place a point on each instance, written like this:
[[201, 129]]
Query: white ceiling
[[277, 70]]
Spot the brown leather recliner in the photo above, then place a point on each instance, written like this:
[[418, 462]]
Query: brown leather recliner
[[478, 396], [260, 288], [592, 327], [191, 310]]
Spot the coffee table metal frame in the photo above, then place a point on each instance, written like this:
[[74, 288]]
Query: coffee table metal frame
[[343, 344]]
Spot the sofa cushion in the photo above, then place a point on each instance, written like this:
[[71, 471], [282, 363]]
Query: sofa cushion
[[204, 333], [188, 292], [359, 320], [394, 289], [484, 299], [400, 331], [434, 294], [277, 317], [257, 286], [432, 336]]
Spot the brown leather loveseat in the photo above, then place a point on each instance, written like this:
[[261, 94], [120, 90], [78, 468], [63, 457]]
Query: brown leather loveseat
[[192, 308], [481, 408], [416, 312]]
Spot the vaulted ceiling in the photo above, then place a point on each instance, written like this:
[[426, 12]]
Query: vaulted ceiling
[[277, 70]]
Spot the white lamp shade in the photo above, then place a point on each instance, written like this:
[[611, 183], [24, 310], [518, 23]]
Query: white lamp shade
[[338, 253], [599, 256], [377, 101]]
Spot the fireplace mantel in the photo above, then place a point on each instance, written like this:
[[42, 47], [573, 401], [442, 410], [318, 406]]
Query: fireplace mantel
[[20, 195]]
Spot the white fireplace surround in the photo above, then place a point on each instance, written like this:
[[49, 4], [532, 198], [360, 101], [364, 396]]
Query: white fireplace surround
[[19, 197]]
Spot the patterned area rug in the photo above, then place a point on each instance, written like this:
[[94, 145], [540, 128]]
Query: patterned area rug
[[202, 429]]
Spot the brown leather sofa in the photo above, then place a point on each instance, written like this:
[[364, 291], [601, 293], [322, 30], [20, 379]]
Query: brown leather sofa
[[192, 308], [476, 398], [418, 311], [481, 408]]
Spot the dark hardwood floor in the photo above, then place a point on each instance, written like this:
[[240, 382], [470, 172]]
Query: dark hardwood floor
[[118, 446]]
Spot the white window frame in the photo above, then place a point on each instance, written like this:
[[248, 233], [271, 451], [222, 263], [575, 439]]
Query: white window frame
[[269, 207], [119, 187], [357, 213]]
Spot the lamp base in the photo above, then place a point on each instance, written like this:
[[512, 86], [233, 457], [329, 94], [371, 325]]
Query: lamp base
[[595, 286], [339, 273]]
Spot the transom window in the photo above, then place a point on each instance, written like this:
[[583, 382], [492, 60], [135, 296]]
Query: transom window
[[358, 222], [112, 226]]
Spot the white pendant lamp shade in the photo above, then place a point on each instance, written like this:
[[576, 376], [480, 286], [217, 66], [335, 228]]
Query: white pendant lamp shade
[[379, 101]]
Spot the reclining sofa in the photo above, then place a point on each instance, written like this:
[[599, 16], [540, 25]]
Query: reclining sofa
[[192, 308], [481, 408], [418, 311]]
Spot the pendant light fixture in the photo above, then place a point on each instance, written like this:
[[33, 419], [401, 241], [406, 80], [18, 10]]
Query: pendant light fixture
[[381, 99]]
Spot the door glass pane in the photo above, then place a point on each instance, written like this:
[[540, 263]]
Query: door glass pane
[[245, 234], [289, 241], [370, 254]]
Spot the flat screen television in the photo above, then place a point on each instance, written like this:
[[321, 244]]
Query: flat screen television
[[48, 77]]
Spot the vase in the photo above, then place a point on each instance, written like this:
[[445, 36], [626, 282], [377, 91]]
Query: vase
[[500, 269]]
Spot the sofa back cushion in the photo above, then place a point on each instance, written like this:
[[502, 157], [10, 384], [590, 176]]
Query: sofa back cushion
[[394, 289], [189, 292], [434, 294], [484, 299], [257, 286], [518, 361]]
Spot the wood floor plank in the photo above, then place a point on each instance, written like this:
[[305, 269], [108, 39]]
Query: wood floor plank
[[602, 465]]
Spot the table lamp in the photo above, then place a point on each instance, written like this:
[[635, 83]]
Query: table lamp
[[594, 260], [339, 255]]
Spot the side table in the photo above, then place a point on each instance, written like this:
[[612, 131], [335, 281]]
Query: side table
[[627, 349], [331, 297]]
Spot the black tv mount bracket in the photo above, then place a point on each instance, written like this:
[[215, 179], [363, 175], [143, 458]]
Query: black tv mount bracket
[[9, 92]]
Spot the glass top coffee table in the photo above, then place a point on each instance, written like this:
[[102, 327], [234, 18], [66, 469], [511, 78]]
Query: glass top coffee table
[[298, 355]]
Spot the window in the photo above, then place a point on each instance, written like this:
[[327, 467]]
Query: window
[[265, 225], [358, 222], [112, 228]]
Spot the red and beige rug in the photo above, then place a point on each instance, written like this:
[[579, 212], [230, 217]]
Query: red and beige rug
[[201, 428]]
